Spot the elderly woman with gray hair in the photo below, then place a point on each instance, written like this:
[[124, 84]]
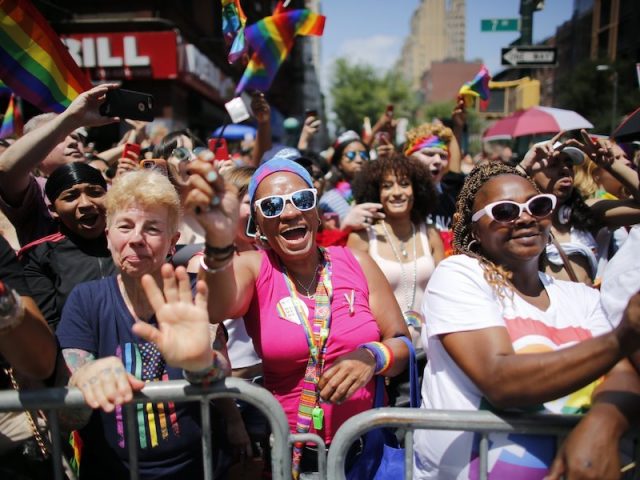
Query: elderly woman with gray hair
[[139, 326]]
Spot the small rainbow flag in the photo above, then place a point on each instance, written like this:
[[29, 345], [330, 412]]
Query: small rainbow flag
[[8, 127], [233, 22], [33, 61], [478, 87], [272, 39]]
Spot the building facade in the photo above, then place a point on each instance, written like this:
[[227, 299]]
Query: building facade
[[437, 33]]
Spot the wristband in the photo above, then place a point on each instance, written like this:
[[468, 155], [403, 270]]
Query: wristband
[[382, 354], [521, 169], [207, 269], [219, 252], [218, 370]]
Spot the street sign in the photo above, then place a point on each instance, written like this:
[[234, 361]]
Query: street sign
[[527, 57], [500, 25]]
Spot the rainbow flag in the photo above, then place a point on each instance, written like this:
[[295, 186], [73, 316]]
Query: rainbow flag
[[233, 22], [272, 39], [8, 127], [478, 87], [33, 61]]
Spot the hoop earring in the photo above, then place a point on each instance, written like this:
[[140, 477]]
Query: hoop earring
[[471, 243]]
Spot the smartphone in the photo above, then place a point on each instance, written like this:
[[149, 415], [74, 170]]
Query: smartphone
[[389, 110], [382, 138], [310, 113], [131, 147], [219, 148], [251, 230], [127, 104]]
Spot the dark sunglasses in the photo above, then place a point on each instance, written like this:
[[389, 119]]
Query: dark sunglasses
[[506, 211], [351, 156], [273, 206]]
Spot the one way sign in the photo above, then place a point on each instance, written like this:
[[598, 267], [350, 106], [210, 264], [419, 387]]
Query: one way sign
[[526, 57]]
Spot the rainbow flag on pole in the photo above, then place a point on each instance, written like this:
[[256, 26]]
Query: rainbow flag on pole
[[478, 87], [233, 22], [272, 39], [33, 61], [8, 127]]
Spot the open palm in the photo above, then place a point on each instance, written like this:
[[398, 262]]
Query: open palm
[[182, 335]]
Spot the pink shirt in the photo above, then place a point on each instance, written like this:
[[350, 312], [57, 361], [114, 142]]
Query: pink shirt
[[282, 344]]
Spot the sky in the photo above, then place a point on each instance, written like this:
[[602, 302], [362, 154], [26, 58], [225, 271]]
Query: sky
[[373, 31]]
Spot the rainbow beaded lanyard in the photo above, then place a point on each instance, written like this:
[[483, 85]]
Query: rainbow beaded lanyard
[[317, 333]]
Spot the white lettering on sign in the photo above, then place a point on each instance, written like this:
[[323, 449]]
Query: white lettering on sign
[[97, 52]]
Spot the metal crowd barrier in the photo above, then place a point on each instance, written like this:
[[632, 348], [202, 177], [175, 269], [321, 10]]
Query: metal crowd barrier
[[53, 399], [420, 419]]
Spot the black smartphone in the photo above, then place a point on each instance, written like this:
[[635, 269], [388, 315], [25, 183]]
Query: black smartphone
[[310, 113], [251, 230], [128, 104]]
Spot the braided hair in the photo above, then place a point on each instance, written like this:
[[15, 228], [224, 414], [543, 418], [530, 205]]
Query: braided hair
[[496, 276]]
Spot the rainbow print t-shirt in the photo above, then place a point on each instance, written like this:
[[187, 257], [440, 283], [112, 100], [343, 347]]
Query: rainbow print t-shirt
[[458, 298]]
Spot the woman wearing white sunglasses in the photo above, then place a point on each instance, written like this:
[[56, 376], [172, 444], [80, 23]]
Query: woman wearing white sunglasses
[[324, 321], [501, 335]]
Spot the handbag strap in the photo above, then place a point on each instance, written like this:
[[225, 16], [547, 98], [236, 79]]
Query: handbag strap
[[565, 259], [414, 387]]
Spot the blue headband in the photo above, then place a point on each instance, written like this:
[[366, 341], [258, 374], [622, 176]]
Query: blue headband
[[276, 165]]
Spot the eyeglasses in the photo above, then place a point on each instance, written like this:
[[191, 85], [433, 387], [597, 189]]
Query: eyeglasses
[[273, 206], [351, 156], [506, 211]]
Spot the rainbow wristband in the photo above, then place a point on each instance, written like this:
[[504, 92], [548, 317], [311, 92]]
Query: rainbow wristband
[[218, 370], [382, 354]]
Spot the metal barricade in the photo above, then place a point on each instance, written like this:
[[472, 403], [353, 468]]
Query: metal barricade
[[53, 399], [410, 419]]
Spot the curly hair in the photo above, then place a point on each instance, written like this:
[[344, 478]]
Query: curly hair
[[496, 276], [428, 129], [366, 186]]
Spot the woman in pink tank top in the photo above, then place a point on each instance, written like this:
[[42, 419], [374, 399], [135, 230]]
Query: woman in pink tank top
[[324, 321]]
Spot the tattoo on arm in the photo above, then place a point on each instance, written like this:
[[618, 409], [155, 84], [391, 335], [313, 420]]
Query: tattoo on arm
[[74, 358]]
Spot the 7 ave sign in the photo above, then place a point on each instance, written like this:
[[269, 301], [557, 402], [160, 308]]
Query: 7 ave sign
[[525, 57]]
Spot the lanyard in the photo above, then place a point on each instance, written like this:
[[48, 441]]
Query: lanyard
[[317, 334]]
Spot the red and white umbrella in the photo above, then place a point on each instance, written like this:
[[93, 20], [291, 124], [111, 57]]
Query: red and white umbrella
[[534, 121]]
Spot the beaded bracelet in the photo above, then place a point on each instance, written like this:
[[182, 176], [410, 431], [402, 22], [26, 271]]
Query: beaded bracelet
[[208, 269], [218, 370], [219, 253], [382, 354]]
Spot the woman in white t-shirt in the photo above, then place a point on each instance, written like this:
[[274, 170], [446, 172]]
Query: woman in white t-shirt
[[486, 307]]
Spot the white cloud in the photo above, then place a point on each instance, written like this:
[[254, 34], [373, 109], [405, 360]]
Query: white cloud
[[380, 51]]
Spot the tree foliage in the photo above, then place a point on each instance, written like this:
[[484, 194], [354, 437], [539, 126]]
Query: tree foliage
[[360, 91], [590, 92]]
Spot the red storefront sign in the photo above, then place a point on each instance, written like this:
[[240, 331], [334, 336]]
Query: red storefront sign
[[126, 55]]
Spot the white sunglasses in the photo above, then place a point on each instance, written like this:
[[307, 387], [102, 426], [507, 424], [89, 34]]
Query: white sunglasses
[[506, 211]]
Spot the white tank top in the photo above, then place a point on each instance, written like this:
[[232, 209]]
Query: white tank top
[[393, 271]]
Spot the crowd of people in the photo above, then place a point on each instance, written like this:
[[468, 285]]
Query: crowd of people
[[300, 270]]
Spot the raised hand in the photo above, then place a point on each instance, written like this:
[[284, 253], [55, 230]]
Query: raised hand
[[260, 108], [599, 152], [541, 156], [459, 114], [182, 336], [85, 108], [214, 202]]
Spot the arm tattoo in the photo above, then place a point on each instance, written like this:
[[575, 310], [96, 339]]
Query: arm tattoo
[[74, 418]]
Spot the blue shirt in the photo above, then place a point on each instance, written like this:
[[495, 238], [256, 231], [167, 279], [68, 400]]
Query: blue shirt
[[95, 318]]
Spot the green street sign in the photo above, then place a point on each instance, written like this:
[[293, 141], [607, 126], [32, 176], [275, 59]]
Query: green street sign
[[500, 25]]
